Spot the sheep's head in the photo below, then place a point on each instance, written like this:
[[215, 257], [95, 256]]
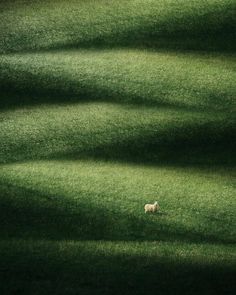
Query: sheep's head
[[156, 205]]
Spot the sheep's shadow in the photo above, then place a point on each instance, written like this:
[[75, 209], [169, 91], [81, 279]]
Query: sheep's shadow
[[161, 213]]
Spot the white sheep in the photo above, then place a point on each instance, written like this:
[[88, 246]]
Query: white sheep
[[151, 207]]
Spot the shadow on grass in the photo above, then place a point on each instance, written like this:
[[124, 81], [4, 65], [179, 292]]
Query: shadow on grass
[[30, 214], [206, 144], [41, 267], [220, 41], [146, 151], [15, 97], [29, 86], [212, 30]]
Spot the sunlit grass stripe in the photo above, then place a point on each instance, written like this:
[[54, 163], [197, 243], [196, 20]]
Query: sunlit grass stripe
[[193, 24], [127, 76]]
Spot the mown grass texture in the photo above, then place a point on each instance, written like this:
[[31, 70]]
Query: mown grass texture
[[36, 25], [106, 106]]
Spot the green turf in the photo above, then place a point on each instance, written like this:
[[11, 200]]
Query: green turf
[[105, 106], [178, 24], [187, 80]]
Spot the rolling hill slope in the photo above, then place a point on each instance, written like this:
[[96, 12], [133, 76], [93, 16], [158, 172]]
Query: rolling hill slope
[[105, 106]]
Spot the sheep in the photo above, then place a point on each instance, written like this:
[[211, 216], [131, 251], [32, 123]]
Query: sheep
[[151, 207]]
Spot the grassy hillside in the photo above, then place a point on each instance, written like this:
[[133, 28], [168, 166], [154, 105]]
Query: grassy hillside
[[106, 106], [46, 24]]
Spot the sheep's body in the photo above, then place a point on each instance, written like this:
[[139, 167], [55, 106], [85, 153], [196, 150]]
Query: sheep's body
[[151, 207]]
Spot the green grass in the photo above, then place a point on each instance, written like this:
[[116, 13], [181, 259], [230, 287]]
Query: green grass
[[79, 226], [126, 133], [89, 267], [177, 24], [105, 192], [105, 106], [184, 80]]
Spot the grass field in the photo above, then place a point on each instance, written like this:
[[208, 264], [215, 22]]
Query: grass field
[[106, 106]]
